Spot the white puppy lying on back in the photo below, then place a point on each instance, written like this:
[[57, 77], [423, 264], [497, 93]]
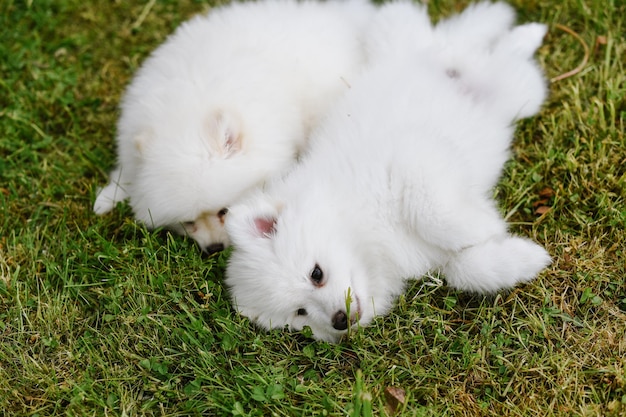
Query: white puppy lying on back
[[397, 181], [225, 102]]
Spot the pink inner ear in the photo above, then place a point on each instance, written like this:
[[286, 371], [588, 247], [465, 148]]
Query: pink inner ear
[[264, 226], [232, 143]]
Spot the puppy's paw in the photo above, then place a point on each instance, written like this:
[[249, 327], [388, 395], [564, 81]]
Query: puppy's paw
[[108, 197], [523, 40], [496, 264], [479, 26]]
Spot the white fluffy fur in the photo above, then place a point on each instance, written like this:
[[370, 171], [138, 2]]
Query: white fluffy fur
[[225, 102], [398, 179]]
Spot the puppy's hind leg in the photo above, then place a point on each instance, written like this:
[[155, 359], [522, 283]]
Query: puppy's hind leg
[[499, 263], [449, 217]]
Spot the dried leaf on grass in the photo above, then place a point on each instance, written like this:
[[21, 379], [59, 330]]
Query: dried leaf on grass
[[394, 399], [544, 203]]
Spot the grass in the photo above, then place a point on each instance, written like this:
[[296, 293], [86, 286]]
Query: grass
[[100, 317]]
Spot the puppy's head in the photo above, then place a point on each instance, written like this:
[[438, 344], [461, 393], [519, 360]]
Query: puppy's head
[[293, 267], [192, 166]]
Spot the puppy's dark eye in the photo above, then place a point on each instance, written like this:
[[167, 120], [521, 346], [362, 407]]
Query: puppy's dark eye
[[301, 312], [222, 212], [317, 276]]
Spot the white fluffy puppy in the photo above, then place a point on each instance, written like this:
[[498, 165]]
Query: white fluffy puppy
[[225, 102], [397, 182]]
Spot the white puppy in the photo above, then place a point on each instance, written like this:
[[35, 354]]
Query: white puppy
[[225, 102], [397, 182]]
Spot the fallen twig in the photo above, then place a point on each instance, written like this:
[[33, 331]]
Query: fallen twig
[[580, 67]]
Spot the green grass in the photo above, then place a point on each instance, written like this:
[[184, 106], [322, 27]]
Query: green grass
[[100, 317]]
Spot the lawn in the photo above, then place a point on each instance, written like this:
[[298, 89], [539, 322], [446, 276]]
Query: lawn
[[99, 316]]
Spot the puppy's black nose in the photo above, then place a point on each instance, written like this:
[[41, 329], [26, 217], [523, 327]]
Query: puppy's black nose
[[340, 320], [214, 247]]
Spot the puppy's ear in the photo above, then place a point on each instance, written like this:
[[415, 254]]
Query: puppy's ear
[[264, 226], [141, 138], [253, 219], [224, 133]]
